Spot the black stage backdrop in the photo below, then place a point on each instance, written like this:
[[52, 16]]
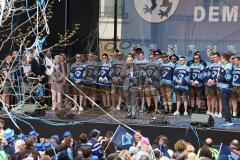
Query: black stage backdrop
[[83, 12]]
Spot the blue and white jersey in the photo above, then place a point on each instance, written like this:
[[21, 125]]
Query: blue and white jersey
[[176, 64], [207, 73], [77, 71], [116, 61], [236, 76], [152, 71], [154, 62], [91, 72], [111, 60], [138, 61], [213, 70], [97, 149], [224, 76], [159, 61], [181, 73], [167, 73], [105, 69], [116, 67], [196, 73]]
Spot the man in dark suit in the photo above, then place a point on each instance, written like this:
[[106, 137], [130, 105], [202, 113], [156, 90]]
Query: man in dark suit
[[38, 68], [132, 78]]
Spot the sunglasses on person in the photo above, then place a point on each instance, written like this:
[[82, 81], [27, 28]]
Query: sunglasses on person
[[196, 58], [78, 57], [104, 57]]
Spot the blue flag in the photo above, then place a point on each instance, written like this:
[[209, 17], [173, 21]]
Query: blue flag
[[123, 137], [226, 153]]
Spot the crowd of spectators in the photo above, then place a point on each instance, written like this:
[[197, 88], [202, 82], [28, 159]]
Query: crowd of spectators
[[96, 146]]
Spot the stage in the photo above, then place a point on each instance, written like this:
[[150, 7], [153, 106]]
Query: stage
[[173, 127]]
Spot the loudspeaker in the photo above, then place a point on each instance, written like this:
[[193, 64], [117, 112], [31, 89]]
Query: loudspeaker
[[158, 122], [64, 113], [33, 110], [63, 110], [202, 120]]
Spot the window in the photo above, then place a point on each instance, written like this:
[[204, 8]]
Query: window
[[107, 10]]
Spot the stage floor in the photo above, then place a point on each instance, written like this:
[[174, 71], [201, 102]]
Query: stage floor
[[95, 115], [177, 127]]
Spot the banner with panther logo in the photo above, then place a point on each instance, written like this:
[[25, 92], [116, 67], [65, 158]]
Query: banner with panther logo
[[180, 26], [123, 137]]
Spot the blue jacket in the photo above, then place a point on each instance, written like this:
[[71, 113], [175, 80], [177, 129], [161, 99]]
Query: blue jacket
[[181, 73], [224, 76]]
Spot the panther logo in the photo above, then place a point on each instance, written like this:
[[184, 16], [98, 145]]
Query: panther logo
[[156, 11]]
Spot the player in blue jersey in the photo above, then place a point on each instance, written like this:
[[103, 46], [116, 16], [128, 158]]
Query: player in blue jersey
[[151, 84], [141, 61], [77, 71], [116, 89], [166, 82], [211, 89], [104, 81], [90, 78], [158, 61], [181, 84], [231, 98], [196, 82], [174, 59], [206, 76], [201, 61], [224, 77], [113, 56], [235, 85], [158, 54], [140, 58]]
